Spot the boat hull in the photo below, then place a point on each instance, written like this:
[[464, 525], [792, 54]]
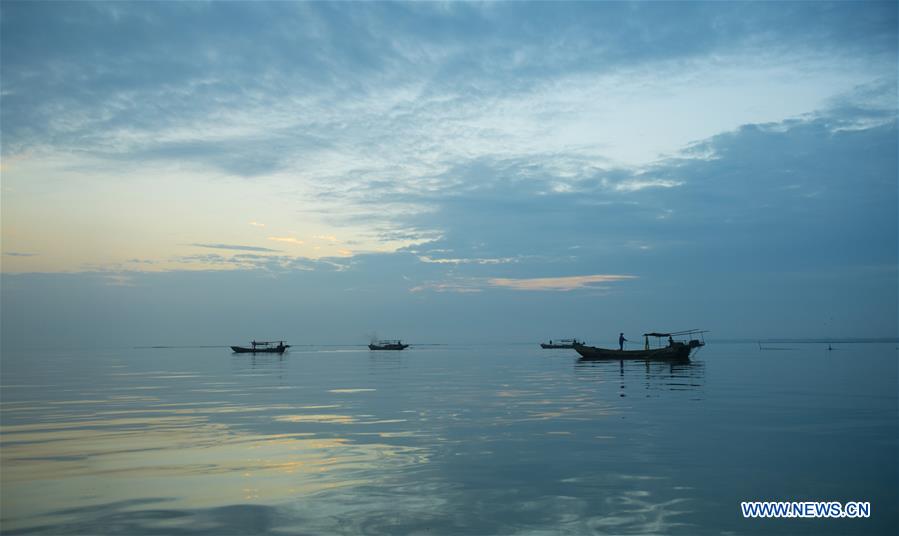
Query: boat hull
[[273, 350], [676, 352], [387, 346], [555, 346]]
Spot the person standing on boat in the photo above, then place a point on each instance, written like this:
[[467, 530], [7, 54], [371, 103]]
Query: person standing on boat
[[621, 341], [670, 341]]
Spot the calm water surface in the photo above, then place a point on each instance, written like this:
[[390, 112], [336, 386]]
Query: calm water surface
[[444, 440]]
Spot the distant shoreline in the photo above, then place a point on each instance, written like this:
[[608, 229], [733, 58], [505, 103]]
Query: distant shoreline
[[847, 340]]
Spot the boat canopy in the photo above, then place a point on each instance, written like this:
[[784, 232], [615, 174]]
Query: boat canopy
[[685, 332]]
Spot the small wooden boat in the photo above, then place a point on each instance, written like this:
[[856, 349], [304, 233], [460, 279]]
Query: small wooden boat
[[674, 351], [388, 345], [261, 347], [561, 343]]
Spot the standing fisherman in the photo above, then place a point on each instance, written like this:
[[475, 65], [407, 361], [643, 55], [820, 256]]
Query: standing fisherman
[[621, 341]]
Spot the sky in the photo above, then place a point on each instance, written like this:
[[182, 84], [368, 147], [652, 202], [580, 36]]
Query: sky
[[212, 172]]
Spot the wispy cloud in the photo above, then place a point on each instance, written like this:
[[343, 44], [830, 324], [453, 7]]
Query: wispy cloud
[[20, 254], [553, 284], [235, 247], [252, 261], [119, 280], [635, 185], [287, 240], [457, 285], [502, 260], [511, 88], [477, 131], [563, 284]]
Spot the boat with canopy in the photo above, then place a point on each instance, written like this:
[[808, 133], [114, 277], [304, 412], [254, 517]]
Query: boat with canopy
[[560, 343], [393, 344], [664, 350], [261, 347]]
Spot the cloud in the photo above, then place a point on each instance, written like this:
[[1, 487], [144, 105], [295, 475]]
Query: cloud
[[257, 224], [235, 247], [20, 254], [505, 260], [460, 286], [800, 192], [249, 261], [635, 185], [119, 280], [344, 93], [489, 141], [287, 240], [557, 283], [725, 152]]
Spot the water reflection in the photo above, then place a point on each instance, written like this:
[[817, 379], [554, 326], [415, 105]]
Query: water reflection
[[265, 363], [387, 362], [51, 467], [441, 441], [648, 375]]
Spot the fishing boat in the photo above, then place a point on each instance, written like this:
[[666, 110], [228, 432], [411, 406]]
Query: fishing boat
[[388, 345], [673, 350], [261, 347], [561, 343]]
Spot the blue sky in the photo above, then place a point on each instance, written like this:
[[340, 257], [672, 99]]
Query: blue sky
[[211, 172]]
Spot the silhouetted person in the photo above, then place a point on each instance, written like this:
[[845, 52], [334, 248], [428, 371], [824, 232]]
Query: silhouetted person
[[670, 341], [621, 341], [254, 344]]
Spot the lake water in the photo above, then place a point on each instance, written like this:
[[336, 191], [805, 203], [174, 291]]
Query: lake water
[[504, 439]]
